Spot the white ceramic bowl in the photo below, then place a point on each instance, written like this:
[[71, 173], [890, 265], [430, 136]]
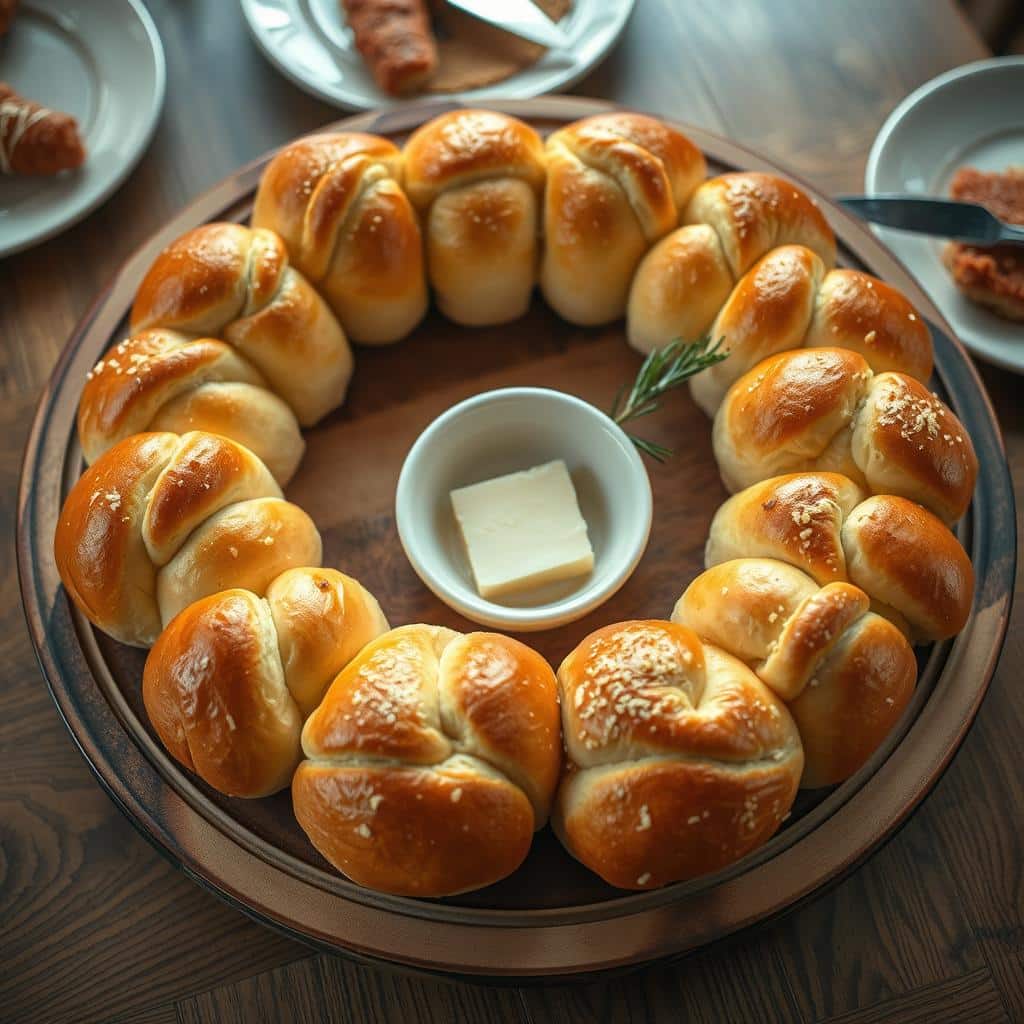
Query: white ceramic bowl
[[501, 432]]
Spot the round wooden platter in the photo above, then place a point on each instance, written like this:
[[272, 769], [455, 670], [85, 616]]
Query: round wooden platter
[[552, 917]]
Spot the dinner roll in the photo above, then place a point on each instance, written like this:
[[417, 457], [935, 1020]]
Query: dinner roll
[[753, 212], [160, 521], [337, 201], [158, 380], [476, 176], [768, 311], [823, 409], [680, 760], [907, 561], [616, 183], [431, 761], [229, 682], [846, 673], [235, 283], [678, 288]]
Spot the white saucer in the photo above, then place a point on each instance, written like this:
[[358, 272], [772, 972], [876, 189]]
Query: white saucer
[[101, 61], [971, 115], [309, 42]]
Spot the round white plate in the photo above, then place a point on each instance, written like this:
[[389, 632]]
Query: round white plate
[[971, 115], [309, 42], [101, 61]]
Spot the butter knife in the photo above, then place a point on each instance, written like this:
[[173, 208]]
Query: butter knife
[[522, 18], [963, 222]]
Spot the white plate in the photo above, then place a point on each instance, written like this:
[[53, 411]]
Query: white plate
[[101, 61], [309, 42], [971, 115]]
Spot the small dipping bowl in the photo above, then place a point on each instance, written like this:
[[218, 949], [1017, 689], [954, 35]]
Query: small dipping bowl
[[501, 432]]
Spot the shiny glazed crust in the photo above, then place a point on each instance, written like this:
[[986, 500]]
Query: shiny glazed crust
[[846, 673], [431, 761], [680, 760], [909, 563]]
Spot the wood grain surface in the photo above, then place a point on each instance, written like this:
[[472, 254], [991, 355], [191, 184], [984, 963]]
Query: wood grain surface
[[95, 926]]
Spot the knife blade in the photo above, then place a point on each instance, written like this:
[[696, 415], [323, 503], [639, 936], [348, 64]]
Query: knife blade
[[520, 17], [946, 218]]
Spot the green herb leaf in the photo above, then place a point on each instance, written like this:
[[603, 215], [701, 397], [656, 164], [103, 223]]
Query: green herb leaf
[[664, 369]]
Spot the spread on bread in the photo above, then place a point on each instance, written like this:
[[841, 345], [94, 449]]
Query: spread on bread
[[992, 276], [422, 760]]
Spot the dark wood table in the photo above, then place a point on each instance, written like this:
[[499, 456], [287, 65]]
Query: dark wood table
[[95, 926]]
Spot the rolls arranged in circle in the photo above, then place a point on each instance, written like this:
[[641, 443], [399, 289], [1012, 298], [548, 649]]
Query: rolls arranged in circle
[[231, 679], [337, 202], [431, 761], [846, 673], [163, 380], [616, 183], [680, 760], [160, 521], [913, 568], [422, 760], [824, 409], [235, 283], [476, 178]]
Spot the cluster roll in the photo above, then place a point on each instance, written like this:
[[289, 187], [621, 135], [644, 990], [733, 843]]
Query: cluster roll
[[431, 761], [680, 760], [824, 409], [160, 521], [846, 673], [232, 678]]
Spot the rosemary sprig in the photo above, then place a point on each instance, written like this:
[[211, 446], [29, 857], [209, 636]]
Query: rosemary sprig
[[664, 369]]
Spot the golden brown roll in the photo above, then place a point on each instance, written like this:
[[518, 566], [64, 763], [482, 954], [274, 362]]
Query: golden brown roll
[[229, 682], [616, 184], [337, 201], [753, 212], [162, 380], [678, 289], [160, 521], [431, 761], [907, 561], [823, 409], [680, 760], [786, 300], [846, 673], [476, 176], [235, 283]]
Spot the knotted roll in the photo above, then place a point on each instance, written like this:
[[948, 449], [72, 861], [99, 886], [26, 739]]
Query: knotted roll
[[616, 184], [337, 201], [824, 409], [680, 760], [846, 673], [476, 177], [753, 212], [162, 380], [787, 301], [160, 521], [235, 283], [731, 222], [431, 761], [231, 679], [911, 566]]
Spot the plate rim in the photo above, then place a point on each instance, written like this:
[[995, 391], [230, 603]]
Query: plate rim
[[653, 932], [877, 153], [74, 214], [481, 94]]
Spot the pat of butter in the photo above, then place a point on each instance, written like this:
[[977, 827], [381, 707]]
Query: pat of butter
[[523, 530]]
